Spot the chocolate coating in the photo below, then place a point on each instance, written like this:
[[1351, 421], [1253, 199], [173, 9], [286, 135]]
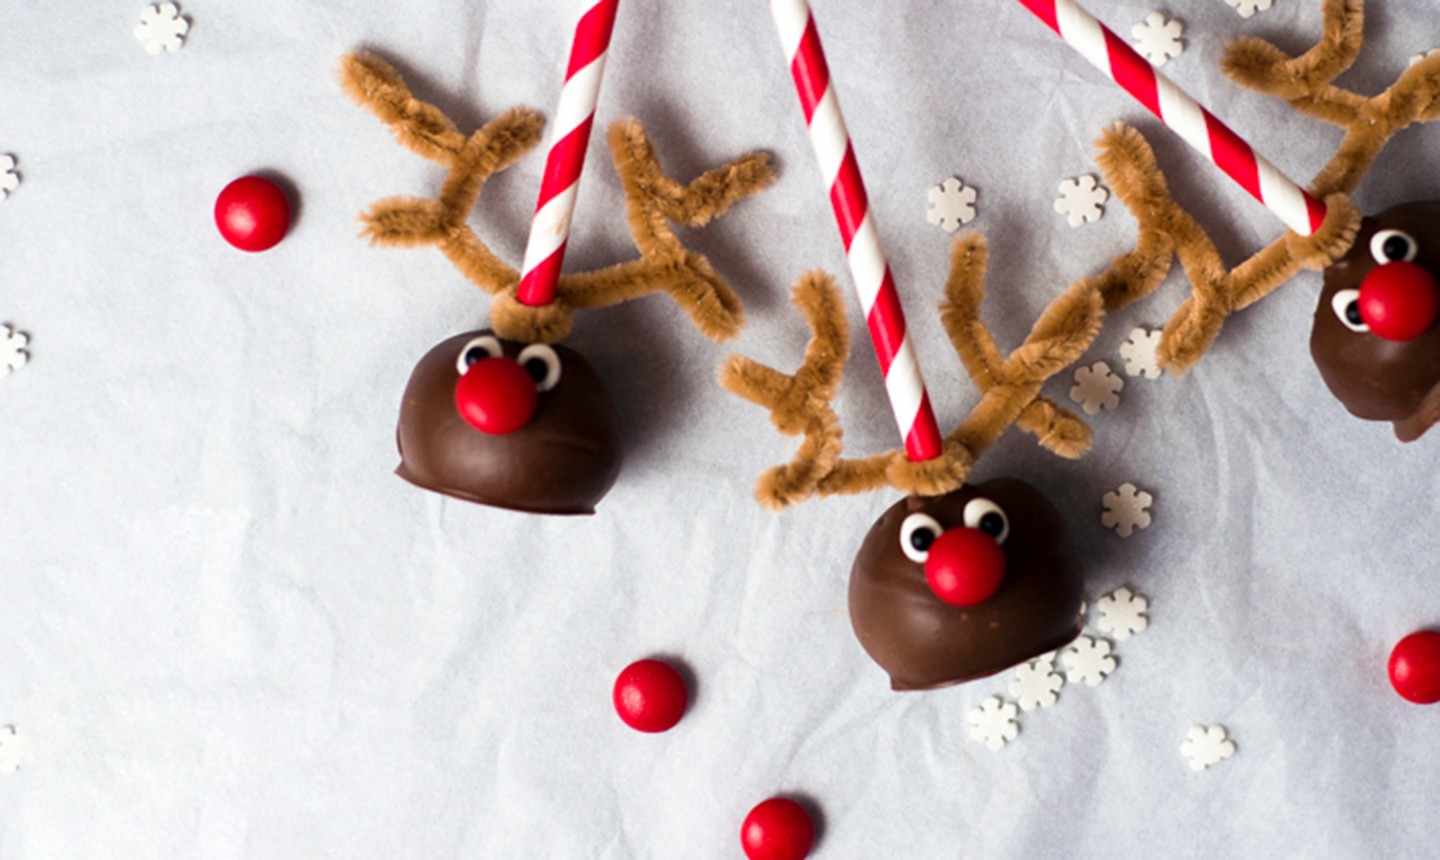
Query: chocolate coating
[[922, 641], [562, 462], [1378, 379]]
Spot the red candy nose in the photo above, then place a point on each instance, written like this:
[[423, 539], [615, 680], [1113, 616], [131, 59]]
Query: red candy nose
[[965, 567], [1399, 301], [496, 396]]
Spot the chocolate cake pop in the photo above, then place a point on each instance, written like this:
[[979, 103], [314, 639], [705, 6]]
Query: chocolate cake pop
[[923, 552], [955, 581], [1375, 337], [526, 427], [506, 417]]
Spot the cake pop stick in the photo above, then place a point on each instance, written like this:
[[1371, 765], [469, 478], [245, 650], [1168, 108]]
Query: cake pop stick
[[545, 252], [868, 267], [1110, 54]]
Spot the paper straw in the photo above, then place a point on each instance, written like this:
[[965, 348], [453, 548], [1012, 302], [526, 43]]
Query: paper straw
[[545, 252], [868, 266], [1095, 42]]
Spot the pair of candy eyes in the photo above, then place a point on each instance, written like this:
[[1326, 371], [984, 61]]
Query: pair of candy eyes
[[1386, 246], [919, 531], [538, 359]]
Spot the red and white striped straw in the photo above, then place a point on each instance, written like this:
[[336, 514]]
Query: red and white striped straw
[[1110, 54], [574, 117], [868, 267]]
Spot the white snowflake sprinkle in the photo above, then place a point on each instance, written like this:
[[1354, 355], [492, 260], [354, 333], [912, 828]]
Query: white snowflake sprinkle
[[1082, 200], [1036, 684], [161, 28], [9, 179], [13, 354], [1088, 660], [1139, 353], [1206, 745], [1126, 509], [1158, 38], [9, 749], [1246, 8], [993, 723], [1122, 614], [1096, 388], [1415, 60], [952, 203]]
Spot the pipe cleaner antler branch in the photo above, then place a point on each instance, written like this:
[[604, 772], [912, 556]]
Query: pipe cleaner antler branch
[[1307, 83], [800, 403], [652, 201]]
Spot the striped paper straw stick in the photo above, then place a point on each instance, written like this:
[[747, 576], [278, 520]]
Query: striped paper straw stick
[[868, 266], [545, 252], [1299, 210]]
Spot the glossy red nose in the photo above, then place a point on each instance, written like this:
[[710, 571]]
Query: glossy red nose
[[1399, 301], [496, 396], [965, 567]]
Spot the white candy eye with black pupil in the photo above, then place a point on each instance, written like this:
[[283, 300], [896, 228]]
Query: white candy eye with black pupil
[[988, 517], [1346, 305], [917, 533], [1393, 246], [477, 348], [543, 365]]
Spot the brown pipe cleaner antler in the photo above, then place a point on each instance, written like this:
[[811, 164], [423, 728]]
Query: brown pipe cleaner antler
[[652, 200]]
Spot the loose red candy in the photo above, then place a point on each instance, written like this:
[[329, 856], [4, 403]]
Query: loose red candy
[[1415, 667], [650, 696], [777, 829], [252, 213]]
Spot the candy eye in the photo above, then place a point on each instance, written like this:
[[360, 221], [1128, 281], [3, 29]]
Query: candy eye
[[987, 516], [1347, 307], [917, 534], [1393, 246], [543, 365], [477, 348]]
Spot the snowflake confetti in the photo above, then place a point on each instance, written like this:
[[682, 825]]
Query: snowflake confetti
[[952, 203], [1158, 38], [1082, 200], [1206, 745], [13, 354], [1088, 661], [1096, 388], [993, 723], [1139, 353], [1122, 614], [1246, 8], [1036, 684], [1126, 509], [1416, 60], [9, 749], [161, 28], [9, 179]]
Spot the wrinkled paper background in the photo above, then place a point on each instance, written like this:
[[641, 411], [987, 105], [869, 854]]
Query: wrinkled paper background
[[228, 630]]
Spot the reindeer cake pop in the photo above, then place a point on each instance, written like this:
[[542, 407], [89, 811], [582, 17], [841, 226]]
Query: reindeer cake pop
[[955, 581], [506, 416], [1375, 337]]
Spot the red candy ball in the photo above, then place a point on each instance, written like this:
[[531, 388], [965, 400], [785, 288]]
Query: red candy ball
[[650, 696], [1415, 667], [965, 567], [252, 213], [496, 396], [1399, 301], [778, 829]]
